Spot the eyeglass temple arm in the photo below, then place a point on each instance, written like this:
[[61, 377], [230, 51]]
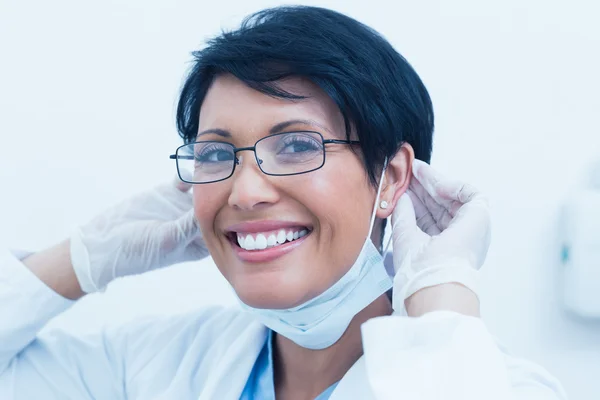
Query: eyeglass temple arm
[[338, 141], [175, 157]]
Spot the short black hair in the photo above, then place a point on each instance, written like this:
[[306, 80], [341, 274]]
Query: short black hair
[[377, 91]]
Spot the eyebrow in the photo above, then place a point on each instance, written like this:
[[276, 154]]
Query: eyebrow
[[274, 129]]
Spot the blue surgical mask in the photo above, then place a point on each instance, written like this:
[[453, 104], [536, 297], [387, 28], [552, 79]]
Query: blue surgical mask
[[321, 321]]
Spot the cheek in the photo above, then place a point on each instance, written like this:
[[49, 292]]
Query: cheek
[[342, 203], [206, 206], [344, 195]]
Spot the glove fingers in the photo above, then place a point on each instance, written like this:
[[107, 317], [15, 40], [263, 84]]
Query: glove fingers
[[180, 240], [443, 190], [168, 201], [425, 220], [429, 179], [429, 211], [472, 219], [405, 231], [181, 185], [444, 221], [403, 217], [191, 234], [188, 225]]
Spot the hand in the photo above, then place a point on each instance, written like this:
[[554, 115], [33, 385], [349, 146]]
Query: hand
[[441, 235], [149, 231]]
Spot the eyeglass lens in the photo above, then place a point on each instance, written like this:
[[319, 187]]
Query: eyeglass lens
[[287, 153]]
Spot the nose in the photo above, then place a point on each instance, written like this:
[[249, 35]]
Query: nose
[[251, 189]]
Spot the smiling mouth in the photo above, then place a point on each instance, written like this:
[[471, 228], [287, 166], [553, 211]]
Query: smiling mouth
[[257, 241]]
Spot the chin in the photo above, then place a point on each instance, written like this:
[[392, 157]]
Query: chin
[[267, 294]]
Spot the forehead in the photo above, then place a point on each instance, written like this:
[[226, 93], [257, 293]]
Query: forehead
[[232, 105]]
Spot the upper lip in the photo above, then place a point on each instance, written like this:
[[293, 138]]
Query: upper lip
[[264, 226]]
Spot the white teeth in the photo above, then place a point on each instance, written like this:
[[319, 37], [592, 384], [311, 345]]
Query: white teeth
[[249, 243], [261, 242], [281, 237]]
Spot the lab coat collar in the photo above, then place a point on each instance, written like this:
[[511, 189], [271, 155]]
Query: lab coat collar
[[231, 372]]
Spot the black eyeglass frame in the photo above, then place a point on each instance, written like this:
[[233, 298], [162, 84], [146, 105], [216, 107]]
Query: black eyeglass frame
[[253, 149]]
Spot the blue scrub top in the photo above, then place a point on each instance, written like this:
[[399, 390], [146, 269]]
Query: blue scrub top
[[260, 384]]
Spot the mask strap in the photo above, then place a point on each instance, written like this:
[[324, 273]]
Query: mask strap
[[388, 242], [377, 200]]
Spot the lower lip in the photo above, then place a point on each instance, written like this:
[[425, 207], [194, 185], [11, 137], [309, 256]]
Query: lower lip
[[269, 254]]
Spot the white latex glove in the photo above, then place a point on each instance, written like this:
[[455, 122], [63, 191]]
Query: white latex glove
[[441, 234], [149, 231]]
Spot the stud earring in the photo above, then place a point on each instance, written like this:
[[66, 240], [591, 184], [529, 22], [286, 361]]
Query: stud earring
[[383, 205]]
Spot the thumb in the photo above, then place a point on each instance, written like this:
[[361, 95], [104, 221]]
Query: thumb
[[404, 231], [403, 218]]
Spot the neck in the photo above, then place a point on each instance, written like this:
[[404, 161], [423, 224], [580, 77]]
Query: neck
[[305, 373]]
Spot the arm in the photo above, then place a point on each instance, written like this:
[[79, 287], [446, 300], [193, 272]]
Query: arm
[[53, 267], [50, 367], [435, 346], [151, 230]]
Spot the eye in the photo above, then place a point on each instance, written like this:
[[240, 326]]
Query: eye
[[213, 153], [295, 144]]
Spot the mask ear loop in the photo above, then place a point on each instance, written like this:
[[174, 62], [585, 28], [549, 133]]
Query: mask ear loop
[[377, 199], [388, 242]]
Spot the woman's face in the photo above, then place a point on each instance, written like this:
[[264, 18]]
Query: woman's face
[[332, 205]]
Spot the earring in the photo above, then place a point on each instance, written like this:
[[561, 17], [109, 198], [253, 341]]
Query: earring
[[383, 205]]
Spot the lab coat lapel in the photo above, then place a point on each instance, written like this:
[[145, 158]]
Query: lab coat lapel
[[354, 385], [231, 372]]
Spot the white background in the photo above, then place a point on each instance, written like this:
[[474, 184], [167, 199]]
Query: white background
[[87, 99]]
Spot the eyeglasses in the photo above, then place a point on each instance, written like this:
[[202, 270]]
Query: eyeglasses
[[282, 154]]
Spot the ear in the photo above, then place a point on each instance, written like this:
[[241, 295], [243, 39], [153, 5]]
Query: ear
[[396, 180]]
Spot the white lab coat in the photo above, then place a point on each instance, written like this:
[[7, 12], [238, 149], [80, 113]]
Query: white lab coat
[[209, 355]]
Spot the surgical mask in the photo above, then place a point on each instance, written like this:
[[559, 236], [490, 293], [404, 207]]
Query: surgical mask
[[321, 321]]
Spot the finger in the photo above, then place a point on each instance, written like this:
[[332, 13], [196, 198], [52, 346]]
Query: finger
[[429, 211], [472, 221], [425, 220], [419, 207], [403, 218], [180, 240], [170, 201], [181, 185], [433, 202], [456, 192], [451, 194], [442, 188], [445, 220], [187, 226]]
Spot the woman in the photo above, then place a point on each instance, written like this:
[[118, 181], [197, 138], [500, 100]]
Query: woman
[[304, 130]]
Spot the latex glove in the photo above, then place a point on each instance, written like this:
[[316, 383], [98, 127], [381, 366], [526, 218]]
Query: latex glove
[[441, 234], [149, 231]]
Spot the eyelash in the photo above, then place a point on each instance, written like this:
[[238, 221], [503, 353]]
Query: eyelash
[[303, 140], [207, 150]]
